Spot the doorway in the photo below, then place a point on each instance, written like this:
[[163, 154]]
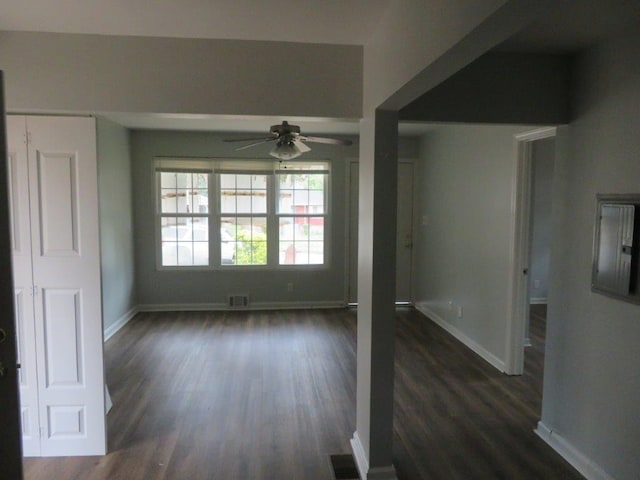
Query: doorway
[[404, 233], [531, 240], [542, 166]]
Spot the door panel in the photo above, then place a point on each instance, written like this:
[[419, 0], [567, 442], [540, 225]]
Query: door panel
[[27, 373], [58, 203], [62, 321], [23, 283], [66, 266]]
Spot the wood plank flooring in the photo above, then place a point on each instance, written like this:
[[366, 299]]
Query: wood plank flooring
[[456, 417], [270, 395]]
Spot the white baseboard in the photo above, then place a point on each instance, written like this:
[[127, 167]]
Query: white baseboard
[[538, 301], [462, 337], [571, 454], [359, 455], [112, 329], [197, 307], [377, 473]]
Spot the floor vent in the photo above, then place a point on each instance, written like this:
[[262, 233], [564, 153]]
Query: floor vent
[[344, 467], [238, 301]]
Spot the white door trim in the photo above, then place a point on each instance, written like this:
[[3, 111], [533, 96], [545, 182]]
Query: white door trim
[[518, 307]]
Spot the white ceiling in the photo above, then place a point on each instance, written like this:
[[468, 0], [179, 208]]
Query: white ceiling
[[232, 123], [308, 21]]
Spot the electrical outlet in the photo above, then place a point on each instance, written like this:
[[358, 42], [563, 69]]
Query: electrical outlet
[[459, 311], [536, 283], [290, 287]]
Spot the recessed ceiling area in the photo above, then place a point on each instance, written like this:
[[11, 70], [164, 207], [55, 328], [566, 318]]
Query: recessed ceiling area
[[573, 25]]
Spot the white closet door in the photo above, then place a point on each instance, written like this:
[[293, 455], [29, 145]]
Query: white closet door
[[66, 272], [23, 283]]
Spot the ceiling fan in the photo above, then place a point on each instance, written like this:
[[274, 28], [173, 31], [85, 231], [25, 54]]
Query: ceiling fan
[[289, 143]]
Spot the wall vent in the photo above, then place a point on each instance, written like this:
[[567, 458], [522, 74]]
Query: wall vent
[[238, 301]]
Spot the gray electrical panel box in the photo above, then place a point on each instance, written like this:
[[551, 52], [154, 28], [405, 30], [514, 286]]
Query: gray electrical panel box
[[615, 262]]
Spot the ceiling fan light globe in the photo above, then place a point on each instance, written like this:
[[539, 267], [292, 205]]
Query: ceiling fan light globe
[[285, 151]]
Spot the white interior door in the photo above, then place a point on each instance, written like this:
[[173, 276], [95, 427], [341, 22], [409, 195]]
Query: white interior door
[[23, 283], [404, 232], [66, 267], [65, 264]]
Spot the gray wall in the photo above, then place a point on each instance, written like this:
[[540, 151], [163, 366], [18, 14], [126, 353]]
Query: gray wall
[[464, 189], [160, 289], [96, 73], [116, 221], [591, 384], [543, 155]]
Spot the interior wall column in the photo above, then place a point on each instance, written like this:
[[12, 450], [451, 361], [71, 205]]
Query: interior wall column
[[372, 440]]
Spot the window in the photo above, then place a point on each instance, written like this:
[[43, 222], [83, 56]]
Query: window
[[226, 213], [184, 218], [243, 218], [301, 216]]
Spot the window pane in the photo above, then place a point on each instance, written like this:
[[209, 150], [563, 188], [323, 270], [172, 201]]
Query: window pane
[[228, 201], [227, 181], [316, 201], [259, 201], [243, 240], [184, 192], [285, 201], [285, 181], [286, 228], [243, 193], [243, 181], [301, 193], [185, 241], [316, 182], [243, 201], [301, 240]]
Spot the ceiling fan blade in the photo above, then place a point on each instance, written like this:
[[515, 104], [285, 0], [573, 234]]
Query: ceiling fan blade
[[301, 146], [247, 139], [264, 140], [328, 141]]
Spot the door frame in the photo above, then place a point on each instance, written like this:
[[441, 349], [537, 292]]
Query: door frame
[[11, 441], [519, 258]]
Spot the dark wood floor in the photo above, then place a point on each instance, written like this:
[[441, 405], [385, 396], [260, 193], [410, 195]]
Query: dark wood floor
[[456, 417], [270, 395]]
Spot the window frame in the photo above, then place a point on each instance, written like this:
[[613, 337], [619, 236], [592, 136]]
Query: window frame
[[214, 167], [289, 168]]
